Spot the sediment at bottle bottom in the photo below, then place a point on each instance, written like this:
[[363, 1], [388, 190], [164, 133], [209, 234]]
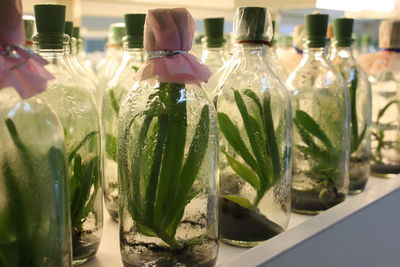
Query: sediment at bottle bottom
[[240, 225], [84, 247], [387, 170], [202, 252], [310, 202], [357, 185]]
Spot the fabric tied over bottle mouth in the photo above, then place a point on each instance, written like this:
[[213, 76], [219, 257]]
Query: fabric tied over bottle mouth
[[168, 36], [19, 68], [160, 54]]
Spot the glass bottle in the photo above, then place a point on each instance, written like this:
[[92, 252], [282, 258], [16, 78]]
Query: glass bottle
[[76, 110], [109, 64], [80, 74], [254, 119], [34, 212], [385, 82], [29, 26], [321, 116], [360, 103], [213, 52], [80, 51], [115, 92], [167, 158], [274, 62]]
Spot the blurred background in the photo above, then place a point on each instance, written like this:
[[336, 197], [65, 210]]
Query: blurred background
[[95, 16]]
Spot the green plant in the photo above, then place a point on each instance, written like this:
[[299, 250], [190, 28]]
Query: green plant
[[323, 153], [261, 168], [379, 133], [356, 138], [22, 223], [159, 181], [84, 175]]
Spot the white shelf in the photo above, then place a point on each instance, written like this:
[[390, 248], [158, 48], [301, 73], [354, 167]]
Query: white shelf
[[362, 231]]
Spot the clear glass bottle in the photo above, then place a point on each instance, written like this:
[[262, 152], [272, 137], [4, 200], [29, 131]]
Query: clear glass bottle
[[77, 112], [29, 26], [254, 118], [109, 64], [80, 74], [115, 92], [321, 116], [213, 52], [386, 102], [34, 211], [83, 58], [360, 102], [167, 158]]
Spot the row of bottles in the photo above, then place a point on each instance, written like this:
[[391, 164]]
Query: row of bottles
[[182, 166]]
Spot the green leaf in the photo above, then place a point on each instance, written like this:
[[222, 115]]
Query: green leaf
[[114, 102], [111, 147], [144, 230], [271, 139], [244, 172], [135, 68], [241, 201], [174, 150], [81, 143], [255, 146], [383, 110], [310, 125], [254, 97], [194, 159], [231, 133]]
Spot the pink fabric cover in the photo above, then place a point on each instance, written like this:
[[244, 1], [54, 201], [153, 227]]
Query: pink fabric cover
[[171, 30], [374, 63], [18, 68]]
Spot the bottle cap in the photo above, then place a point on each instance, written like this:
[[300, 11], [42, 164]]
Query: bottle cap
[[214, 32], [116, 32], [134, 30], [76, 32], [69, 28], [50, 18], [389, 34], [50, 26], [316, 28], [252, 24], [343, 31]]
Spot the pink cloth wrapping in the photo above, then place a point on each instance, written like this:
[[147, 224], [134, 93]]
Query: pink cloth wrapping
[[18, 68], [171, 30], [374, 63]]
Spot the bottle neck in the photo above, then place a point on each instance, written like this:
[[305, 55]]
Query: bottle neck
[[252, 49], [314, 53], [344, 53]]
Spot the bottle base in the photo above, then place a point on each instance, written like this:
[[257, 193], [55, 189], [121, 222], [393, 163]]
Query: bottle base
[[243, 227], [211, 263], [384, 170], [83, 252], [113, 214], [310, 202], [357, 186]]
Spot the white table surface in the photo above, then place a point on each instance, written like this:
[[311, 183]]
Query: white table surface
[[109, 254]]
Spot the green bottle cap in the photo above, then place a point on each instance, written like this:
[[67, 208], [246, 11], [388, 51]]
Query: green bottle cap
[[343, 30], [214, 32], [50, 18], [316, 26], [134, 24], [69, 28], [76, 32], [252, 24], [29, 25], [116, 32]]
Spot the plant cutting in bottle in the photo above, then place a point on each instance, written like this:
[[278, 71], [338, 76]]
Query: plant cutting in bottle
[[167, 153], [160, 194], [262, 168], [30, 246], [379, 133]]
